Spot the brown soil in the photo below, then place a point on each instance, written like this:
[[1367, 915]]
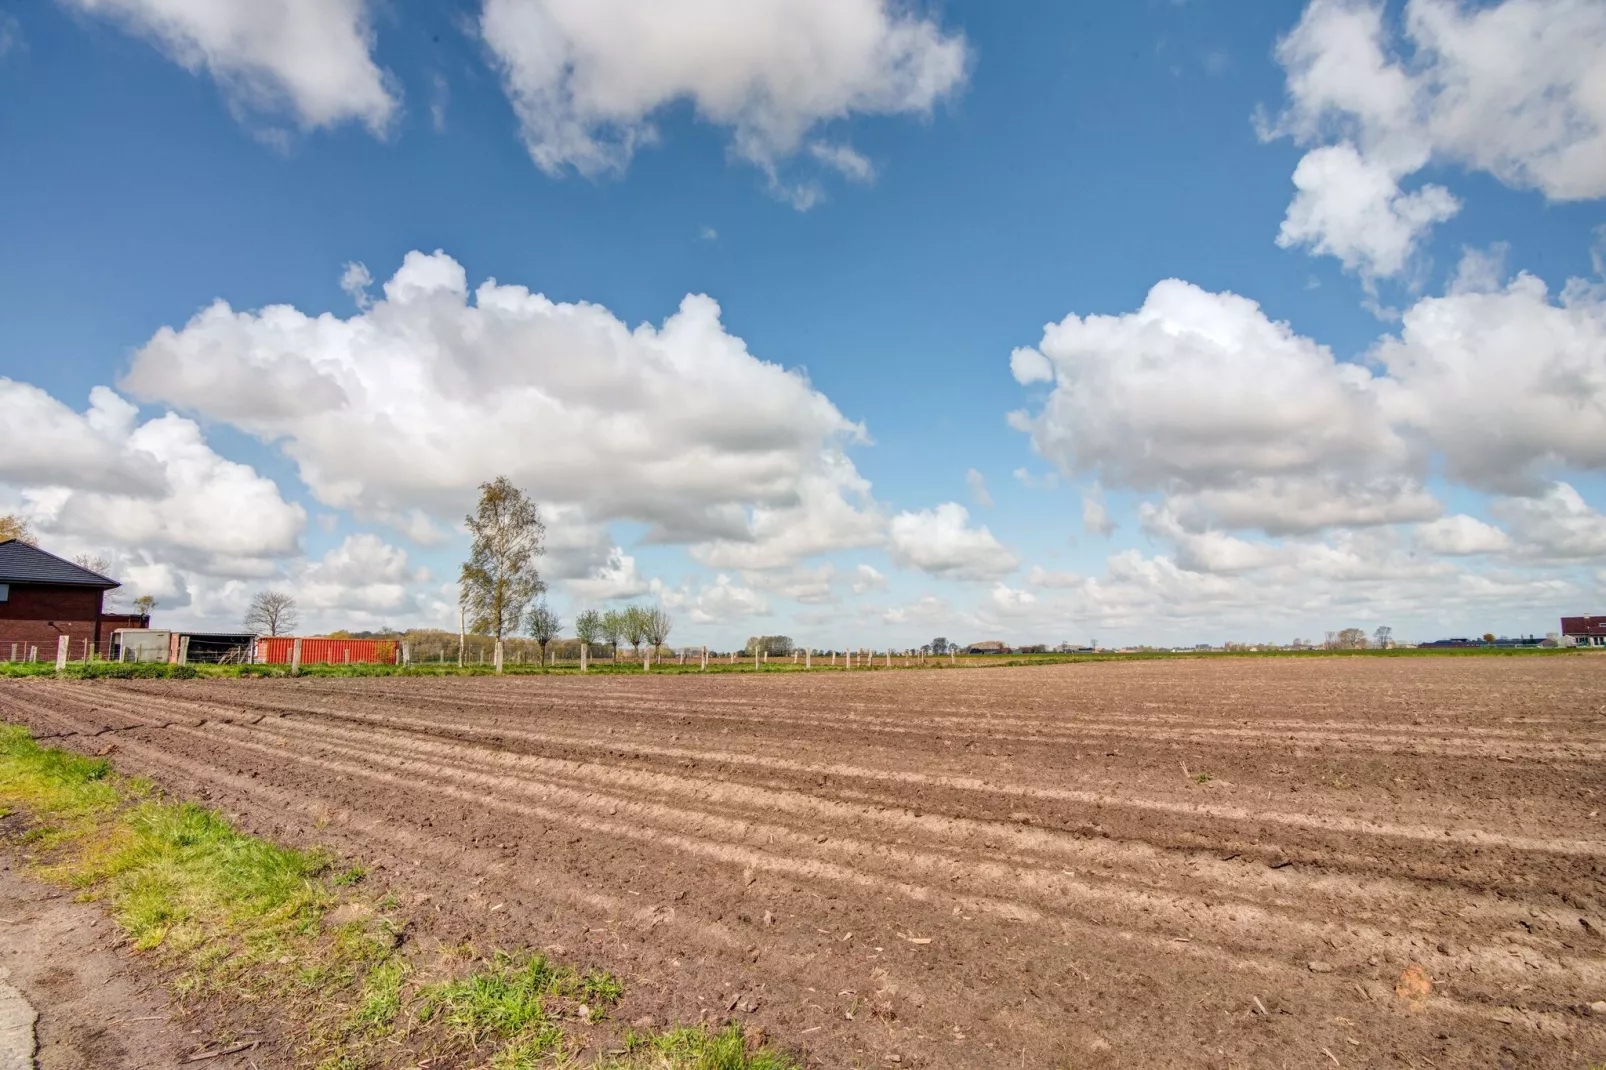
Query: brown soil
[[1201, 863]]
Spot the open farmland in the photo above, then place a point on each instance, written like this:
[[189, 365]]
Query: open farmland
[[1183, 863]]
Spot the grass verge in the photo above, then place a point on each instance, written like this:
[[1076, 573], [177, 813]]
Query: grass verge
[[111, 670], [260, 931]]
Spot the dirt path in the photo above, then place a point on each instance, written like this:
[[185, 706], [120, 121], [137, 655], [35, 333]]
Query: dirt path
[[1203, 863], [99, 1007]]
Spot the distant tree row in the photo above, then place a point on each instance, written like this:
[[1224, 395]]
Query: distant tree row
[[775, 646]]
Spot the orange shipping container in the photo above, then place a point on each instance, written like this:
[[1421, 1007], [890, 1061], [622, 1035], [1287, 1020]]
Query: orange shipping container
[[275, 650]]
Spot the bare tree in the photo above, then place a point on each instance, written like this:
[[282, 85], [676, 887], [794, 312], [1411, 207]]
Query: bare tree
[[635, 622], [1384, 636], [543, 626], [656, 624], [1352, 639], [500, 576], [100, 565], [613, 626], [272, 613], [589, 628], [97, 564], [13, 526]]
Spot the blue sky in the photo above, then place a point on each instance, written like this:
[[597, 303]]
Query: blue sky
[[1392, 422]]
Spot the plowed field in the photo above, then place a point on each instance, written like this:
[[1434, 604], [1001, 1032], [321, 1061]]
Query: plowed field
[[1141, 864]]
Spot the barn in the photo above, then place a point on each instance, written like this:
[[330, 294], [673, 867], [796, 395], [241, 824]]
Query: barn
[[43, 597]]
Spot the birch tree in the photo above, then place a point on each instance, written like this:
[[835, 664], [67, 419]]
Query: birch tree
[[500, 577]]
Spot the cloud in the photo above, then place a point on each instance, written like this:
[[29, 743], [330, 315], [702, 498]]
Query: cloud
[[1557, 525], [364, 580], [311, 59], [355, 280], [978, 488], [587, 79], [1460, 535], [105, 479], [1512, 89], [866, 578], [411, 403], [811, 586], [45, 443], [1095, 517], [1041, 577], [1200, 396], [1353, 208], [721, 602], [1044, 481], [940, 542], [1506, 382], [11, 39], [845, 160], [616, 578]]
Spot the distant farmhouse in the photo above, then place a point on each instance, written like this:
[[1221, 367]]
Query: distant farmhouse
[[1584, 631], [991, 646], [44, 597]]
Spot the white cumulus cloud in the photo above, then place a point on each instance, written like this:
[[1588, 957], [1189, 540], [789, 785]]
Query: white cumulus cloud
[[312, 58], [1202, 397], [941, 542], [412, 402], [587, 77], [1513, 89], [104, 479]]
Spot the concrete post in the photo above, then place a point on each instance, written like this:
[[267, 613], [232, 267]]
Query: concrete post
[[705, 660], [951, 658], [184, 650], [583, 653], [807, 656], [889, 657], [61, 652], [404, 655], [498, 657], [756, 662], [295, 657], [849, 654], [833, 659], [646, 660]]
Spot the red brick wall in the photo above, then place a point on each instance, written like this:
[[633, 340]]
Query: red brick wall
[[35, 615]]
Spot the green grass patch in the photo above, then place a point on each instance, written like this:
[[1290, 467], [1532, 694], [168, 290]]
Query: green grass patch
[[697, 1048]]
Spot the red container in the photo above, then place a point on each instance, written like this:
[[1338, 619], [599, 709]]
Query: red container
[[275, 650]]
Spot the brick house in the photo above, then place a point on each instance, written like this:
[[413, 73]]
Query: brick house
[[1585, 631], [43, 597]]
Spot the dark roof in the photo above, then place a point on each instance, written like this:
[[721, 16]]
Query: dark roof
[[22, 563]]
